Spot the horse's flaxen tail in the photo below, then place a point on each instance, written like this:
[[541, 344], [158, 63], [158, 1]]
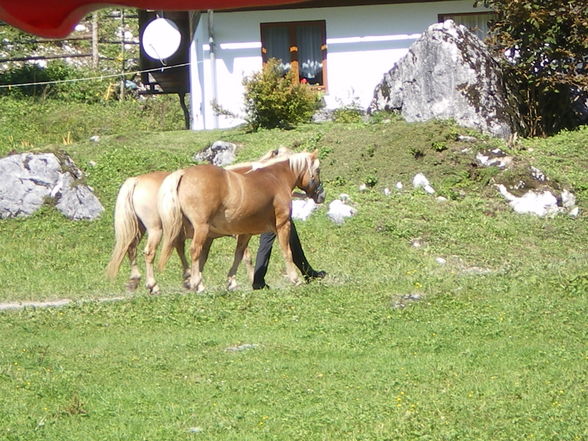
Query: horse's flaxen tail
[[170, 213], [126, 226]]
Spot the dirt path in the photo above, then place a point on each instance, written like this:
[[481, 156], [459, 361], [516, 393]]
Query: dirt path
[[53, 303]]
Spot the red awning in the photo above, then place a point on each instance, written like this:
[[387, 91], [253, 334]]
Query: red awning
[[57, 18]]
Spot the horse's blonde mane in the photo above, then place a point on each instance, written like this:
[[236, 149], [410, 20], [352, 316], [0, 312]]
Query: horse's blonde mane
[[297, 161], [271, 157]]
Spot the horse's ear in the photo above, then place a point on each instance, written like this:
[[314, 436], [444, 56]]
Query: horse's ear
[[314, 154]]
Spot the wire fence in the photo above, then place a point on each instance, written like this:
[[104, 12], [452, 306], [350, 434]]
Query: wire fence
[[95, 78]]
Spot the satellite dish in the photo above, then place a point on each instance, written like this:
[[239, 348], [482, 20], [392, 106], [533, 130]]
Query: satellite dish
[[161, 38]]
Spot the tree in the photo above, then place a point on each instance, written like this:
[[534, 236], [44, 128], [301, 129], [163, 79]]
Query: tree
[[543, 46]]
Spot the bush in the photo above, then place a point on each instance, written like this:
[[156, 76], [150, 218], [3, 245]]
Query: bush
[[273, 99]]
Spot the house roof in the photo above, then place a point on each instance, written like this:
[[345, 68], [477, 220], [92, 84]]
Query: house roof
[[57, 18], [301, 4]]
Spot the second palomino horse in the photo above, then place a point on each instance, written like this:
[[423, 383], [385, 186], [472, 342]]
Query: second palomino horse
[[220, 202]]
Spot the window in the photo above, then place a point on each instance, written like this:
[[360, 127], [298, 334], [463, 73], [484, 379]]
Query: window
[[300, 46], [475, 22]]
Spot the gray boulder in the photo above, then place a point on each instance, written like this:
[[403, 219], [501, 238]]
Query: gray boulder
[[29, 180], [220, 153], [448, 73]]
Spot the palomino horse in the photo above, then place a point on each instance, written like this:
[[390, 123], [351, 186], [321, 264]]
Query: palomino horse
[[136, 213], [220, 202]]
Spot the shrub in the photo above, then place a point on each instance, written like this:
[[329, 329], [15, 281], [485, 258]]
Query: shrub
[[273, 98]]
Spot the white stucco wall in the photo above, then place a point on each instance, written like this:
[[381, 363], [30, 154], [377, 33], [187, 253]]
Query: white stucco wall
[[363, 42]]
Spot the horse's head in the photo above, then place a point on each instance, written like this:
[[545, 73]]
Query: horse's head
[[280, 152], [309, 178]]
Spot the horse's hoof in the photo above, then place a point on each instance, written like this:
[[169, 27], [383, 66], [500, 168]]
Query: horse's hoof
[[232, 284], [154, 290], [133, 284]]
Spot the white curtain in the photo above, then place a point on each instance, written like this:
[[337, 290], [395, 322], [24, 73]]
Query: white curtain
[[309, 53]]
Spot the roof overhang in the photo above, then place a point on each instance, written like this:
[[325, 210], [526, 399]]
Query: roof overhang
[[57, 18]]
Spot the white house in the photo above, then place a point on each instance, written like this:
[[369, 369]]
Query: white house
[[343, 48]]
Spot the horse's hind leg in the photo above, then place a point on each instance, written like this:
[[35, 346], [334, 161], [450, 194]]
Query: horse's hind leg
[[153, 239], [196, 249], [205, 250], [181, 250], [242, 242], [248, 261], [135, 276]]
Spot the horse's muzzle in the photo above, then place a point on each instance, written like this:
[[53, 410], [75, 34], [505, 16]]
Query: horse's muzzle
[[319, 194]]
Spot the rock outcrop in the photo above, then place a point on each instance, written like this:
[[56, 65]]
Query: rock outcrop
[[220, 153], [448, 73], [30, 180]]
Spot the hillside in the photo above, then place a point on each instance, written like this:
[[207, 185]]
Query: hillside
[[440, 320]]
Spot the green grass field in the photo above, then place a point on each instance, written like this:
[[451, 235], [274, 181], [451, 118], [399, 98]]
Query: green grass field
[[392, 345]]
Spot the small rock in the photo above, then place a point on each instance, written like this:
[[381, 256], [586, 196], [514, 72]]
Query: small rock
[[303, 208], [466, 138], [494, 158], [243, 347], [538, 174], [338, 211], [405, 300], [220, 153], [568, 199], [574, 212], [195, 430], [420, 181]]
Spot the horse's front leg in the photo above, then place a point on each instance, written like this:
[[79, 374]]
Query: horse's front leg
[[284, 238], [242, 242], [199, 239]]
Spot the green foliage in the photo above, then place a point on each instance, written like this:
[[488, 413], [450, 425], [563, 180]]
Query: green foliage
[[546, 63], [15, 43], [62, 83], [347, 114], [28, 123], [273, 99], [439, 146]]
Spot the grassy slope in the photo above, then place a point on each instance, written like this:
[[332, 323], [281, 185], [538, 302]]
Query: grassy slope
[[496, 350]]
